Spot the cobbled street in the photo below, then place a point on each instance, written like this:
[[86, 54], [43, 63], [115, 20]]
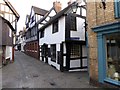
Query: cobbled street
[[27, 72]]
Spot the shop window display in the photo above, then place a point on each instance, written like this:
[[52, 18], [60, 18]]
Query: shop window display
[[113, 56]]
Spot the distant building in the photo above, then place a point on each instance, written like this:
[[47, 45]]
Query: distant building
[[20, 41], [103, 29], [32, 47]]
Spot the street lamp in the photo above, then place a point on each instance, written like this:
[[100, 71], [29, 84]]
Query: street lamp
[[74, 7]]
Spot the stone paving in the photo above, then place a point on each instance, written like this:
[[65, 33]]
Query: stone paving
[[27, 72]]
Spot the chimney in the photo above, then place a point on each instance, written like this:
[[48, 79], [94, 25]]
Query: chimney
[[58, 6]]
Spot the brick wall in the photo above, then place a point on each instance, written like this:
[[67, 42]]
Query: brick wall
[[96, 16], [32, 49]]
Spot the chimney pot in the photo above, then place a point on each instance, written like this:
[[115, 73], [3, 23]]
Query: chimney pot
[[57, 5]]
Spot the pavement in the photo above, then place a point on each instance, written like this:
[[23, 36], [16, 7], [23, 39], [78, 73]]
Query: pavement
[[27, 72]]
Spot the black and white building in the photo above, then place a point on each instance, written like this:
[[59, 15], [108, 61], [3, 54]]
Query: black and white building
[[32, 46], [62, 39]]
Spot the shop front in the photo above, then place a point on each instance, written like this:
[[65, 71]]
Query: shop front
[[108, 37]]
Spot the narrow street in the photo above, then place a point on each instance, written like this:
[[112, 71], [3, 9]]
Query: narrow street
[[27, 72]]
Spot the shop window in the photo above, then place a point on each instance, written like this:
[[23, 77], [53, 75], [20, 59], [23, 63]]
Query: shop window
[[53, 52], [113, 56], [117, 8], [55, 27], [75, 51]]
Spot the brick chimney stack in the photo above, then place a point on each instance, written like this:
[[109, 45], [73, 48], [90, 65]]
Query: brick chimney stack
[[57, 5]]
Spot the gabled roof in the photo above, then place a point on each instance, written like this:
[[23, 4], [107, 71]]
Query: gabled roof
[[12, 9], [58, 15], [39, 10], [8, 23], [46, 15]]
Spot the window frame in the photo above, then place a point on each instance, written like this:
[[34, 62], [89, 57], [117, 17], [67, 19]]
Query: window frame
[[53, 52], [55, 27], [117, 8], [102, 31], [73, 21], [42, 33]]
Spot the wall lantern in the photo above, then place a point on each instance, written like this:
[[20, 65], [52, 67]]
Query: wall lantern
[[104, 3], [74, 7]]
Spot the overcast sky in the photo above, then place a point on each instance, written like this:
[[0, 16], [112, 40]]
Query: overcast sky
[[23, 7]]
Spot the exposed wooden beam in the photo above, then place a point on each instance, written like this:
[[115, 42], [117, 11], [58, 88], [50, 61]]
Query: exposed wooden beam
[[6, 12]]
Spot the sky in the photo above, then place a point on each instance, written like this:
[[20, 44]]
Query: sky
[[23, 7]]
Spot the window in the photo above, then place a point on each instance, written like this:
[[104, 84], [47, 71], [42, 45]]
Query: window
[[44, 49], [53, 52], [117, 8], [108, 38], [75, 51], [32, 19], [73, 23], [113, 56], [55, 27], [42, 34]]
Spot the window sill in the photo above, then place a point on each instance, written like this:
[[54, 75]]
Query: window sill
[[108, 80]]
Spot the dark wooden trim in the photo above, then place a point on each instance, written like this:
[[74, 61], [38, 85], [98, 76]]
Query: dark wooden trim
[[61, 59], [46, 59], [64, 54], [76, 42], [68, 48], [78, 68], [81, 62], [78, 58], [67, 27]]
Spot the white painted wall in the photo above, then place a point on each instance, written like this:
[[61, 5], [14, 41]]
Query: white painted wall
[[32, 14], [80, 33], [54, 38], [8, 53], [57, 37], [23, 44]]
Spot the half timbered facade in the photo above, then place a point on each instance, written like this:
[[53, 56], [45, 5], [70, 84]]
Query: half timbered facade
[[62, 39], [32, 47]]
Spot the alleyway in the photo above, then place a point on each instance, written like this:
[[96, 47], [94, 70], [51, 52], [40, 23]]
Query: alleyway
[[27, 72]]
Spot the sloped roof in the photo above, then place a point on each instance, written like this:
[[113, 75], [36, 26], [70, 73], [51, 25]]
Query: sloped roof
[[58, 15], [45, 16], [39, 10], [12, 9], [8, 23]]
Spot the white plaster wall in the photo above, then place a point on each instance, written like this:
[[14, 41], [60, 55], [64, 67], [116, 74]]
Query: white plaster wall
[[55, 38], [64, 51], [8, 53], [32, 14], [80, 33]]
